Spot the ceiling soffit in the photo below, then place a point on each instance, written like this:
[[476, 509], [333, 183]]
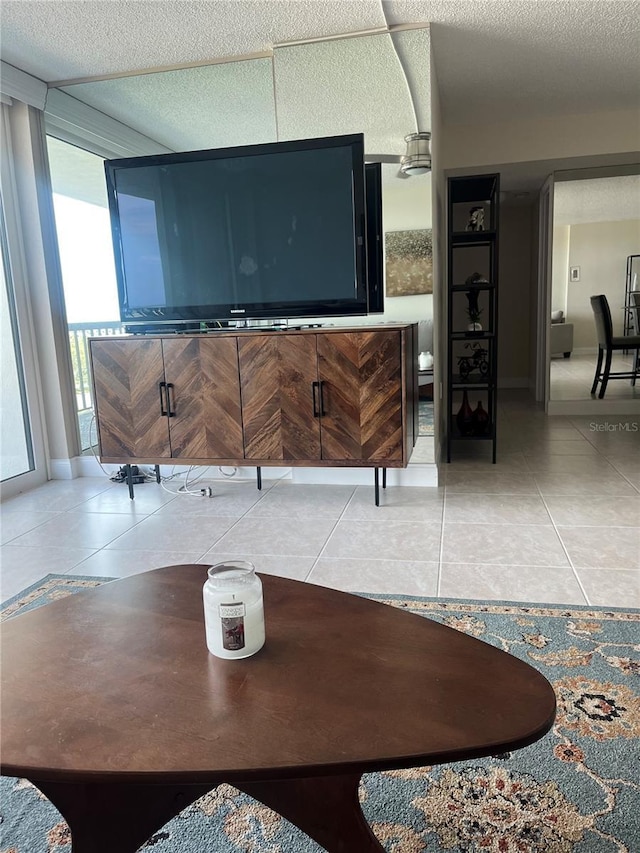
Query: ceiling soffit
[[597, 200]]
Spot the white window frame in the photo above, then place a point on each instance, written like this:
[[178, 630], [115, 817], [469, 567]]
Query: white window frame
[[24, 316]]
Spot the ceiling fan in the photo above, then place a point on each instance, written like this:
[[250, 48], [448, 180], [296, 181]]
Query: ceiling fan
[[416, 160]]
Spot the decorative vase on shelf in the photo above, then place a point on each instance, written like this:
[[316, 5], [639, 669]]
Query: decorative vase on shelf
[[473, 311], [480, 420], [464, 417], [425, 360]]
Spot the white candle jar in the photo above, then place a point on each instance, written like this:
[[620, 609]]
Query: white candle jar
[[233, 610]]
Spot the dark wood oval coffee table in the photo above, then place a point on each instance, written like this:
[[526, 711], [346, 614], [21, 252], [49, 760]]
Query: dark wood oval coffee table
[[113, 707]]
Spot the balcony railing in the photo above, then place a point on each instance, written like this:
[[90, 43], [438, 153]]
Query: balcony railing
[[78, 335]]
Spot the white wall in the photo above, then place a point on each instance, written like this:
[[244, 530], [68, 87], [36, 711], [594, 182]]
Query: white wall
[[440, 337], [406, 206], [560, 269], [600, 249], [534, 233], [564, 136]]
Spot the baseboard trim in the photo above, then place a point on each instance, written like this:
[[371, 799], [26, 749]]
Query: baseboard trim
[[66, 469], [519, 382]]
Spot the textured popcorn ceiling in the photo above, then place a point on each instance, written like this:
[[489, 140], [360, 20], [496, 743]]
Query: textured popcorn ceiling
[[210, 106], [495, 60], [324, 89], [77, 38], [601, 200], [332, 88]]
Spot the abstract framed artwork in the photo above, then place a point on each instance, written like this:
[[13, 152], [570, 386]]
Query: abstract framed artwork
[[409, 262]]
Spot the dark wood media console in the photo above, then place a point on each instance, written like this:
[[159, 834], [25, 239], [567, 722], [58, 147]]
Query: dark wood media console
[[335, 396]]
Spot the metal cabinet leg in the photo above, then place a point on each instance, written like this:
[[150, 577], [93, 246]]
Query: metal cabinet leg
[[157, 470], [384, 478], [127, 469], [259, 477], [376, 482]]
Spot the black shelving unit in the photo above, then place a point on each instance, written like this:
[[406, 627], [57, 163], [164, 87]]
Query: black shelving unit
[[472, 282]]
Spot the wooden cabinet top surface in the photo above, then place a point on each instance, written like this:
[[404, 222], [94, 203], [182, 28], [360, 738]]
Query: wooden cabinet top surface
[[379, 327]]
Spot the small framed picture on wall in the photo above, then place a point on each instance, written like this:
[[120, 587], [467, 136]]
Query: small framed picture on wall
[[574, 273]]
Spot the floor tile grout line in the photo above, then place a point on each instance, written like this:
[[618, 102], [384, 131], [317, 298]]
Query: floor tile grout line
[[441, 552], [326, 541], [87, 547], [215, 541], [566, 551], [239, 518], [35, 527], [545, 523], [624, 477]]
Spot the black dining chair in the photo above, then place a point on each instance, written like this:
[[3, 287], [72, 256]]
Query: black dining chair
[[608, 344]]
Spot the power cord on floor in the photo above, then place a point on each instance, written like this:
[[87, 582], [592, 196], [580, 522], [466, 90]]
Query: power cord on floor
[[186, 488], [93, 446]]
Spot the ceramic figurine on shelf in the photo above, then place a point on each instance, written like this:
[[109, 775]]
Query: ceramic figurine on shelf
[[476, 219]]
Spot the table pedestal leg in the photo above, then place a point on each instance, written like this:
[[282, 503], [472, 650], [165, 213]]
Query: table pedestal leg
[[327, 808], [106, 818]]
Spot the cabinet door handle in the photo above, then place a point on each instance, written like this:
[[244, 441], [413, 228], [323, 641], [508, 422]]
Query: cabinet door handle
[[315, 387], [163, 411], [322, 411], [171, 412]]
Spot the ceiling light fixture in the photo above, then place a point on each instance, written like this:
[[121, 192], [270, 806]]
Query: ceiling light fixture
[[417, 160]]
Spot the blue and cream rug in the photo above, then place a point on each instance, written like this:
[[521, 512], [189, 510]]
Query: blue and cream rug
[[575, 791], [425, 418]]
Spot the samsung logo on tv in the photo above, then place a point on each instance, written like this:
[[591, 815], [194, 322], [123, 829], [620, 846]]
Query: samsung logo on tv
[[238, 311]]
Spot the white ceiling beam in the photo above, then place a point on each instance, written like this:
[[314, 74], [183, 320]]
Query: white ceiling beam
[[20, 86], [73, 121]]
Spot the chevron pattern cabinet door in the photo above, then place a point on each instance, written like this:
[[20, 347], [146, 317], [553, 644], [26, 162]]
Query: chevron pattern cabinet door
[[276, 375], [206, 397], [126, 377], [361, 375]]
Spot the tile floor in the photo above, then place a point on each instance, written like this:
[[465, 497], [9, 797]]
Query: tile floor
[[571, 378], [556, 520]]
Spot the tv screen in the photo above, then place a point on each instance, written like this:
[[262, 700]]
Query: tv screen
[[264, 231]]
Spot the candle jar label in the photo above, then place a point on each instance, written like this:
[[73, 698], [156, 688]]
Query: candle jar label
[[233, 610], [232, 623]]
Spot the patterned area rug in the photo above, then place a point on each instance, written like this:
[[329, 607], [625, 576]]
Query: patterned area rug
[[425, 418], [575, 791]]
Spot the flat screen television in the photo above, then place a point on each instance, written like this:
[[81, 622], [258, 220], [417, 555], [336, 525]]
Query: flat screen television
[[271, 231]]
